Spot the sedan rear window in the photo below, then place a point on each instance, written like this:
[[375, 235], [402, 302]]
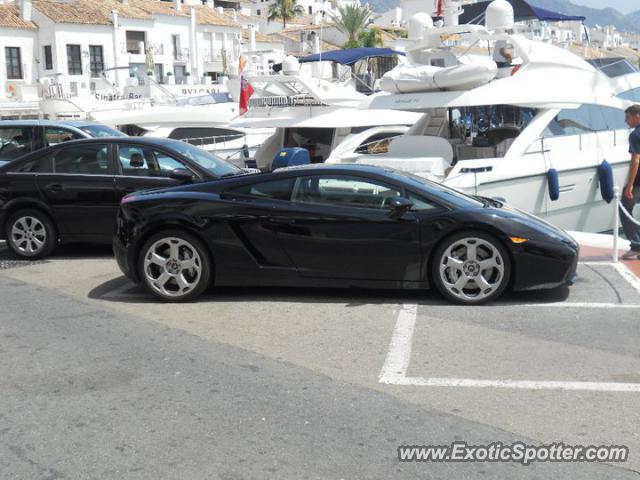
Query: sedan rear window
[[101, 131], [15, 142], [216, 165]]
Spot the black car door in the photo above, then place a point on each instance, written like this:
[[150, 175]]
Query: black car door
[[78, 182], [254, 212], [142, 167], [339, 226]]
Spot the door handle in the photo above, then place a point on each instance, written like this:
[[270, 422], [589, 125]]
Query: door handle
[[55, 188], [282, 221]]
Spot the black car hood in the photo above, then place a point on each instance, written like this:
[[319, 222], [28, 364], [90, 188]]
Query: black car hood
[[529, 221]]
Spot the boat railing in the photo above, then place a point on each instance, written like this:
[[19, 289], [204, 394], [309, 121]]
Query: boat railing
[[286, 101], [214, 140]]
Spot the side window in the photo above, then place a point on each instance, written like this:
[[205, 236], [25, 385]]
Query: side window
[[585, 119], [343, 191], [632, 95], [275, 189], [378, 143], [421, 204], [81, 160], [37, 165], [55, 135], [145, 162], [15, 142]]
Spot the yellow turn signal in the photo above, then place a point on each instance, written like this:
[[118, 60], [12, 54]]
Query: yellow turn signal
[[518, 240]]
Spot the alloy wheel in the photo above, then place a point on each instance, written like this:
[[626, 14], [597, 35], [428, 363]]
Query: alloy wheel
[[28, 235], [472, 269], [173, 267]]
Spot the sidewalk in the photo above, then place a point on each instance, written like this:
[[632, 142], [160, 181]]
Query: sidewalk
[[595, 247]]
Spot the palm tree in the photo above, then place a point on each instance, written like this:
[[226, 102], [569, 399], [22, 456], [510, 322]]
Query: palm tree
[[352, 20], [284, 10], [370, 38]]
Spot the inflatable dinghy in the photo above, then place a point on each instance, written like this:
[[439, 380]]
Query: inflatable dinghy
[[426, 78]]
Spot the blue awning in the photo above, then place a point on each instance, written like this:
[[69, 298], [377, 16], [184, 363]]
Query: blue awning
[[474, 13], [350, 55]]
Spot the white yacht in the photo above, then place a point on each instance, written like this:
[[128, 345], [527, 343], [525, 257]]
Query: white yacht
[[499, 135], [313, 113], [200, 116]]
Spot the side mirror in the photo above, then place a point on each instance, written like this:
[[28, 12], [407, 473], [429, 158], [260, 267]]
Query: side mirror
[[181, 174], [399, 206]]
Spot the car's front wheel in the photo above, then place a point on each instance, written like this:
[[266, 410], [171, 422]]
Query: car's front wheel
[[471, 268], [30, 234], [175, 266]]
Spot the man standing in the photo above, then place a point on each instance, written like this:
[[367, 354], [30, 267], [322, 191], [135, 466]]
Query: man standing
[[501, 54], [631, 194]]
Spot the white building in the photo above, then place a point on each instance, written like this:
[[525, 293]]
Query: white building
[[18, 37], [65, 45]]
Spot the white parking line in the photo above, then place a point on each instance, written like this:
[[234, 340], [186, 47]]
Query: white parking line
[[397, 361], [517, 384], [396, 365], [578, 305]]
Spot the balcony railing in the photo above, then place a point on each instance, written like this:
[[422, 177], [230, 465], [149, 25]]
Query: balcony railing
[[213, 55], [135, 47], [181, 55]]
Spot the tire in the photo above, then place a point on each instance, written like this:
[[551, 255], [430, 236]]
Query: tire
[[175, 266], [471, 268], [31, 234]]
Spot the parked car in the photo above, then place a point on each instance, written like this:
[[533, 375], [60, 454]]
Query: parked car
[[20, 137], [71, 192], [336, 226]]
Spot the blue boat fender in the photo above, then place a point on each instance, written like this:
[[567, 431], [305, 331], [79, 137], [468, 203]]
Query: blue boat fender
[[554, 184], [605, 177]]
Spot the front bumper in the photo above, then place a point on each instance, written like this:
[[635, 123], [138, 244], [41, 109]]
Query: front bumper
[[545, 265], [125, 259]]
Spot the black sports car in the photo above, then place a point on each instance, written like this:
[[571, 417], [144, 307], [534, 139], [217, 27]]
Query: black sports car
[[71, 192], [336, 226]]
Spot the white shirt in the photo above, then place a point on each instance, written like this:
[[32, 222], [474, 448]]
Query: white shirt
[[500, 45]]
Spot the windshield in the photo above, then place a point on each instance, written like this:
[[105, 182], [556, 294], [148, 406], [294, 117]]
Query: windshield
[[101, 131], [448, 194], [216, 165]]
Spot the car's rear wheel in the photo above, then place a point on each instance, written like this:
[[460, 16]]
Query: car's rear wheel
[[175, 266], [30, 234], [471, 268]]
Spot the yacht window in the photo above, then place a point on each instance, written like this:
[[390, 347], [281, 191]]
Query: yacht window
[[378, 143], [632, 95], [470, 122], [613, 67], [487, 131], [586, 119]]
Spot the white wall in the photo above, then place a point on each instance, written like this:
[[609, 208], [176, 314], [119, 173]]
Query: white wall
[[26, 41]]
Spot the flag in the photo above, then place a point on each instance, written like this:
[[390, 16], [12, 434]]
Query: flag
[[246, 90], [440, 8]]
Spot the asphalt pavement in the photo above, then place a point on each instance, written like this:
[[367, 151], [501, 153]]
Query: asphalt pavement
[[101, 381]]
